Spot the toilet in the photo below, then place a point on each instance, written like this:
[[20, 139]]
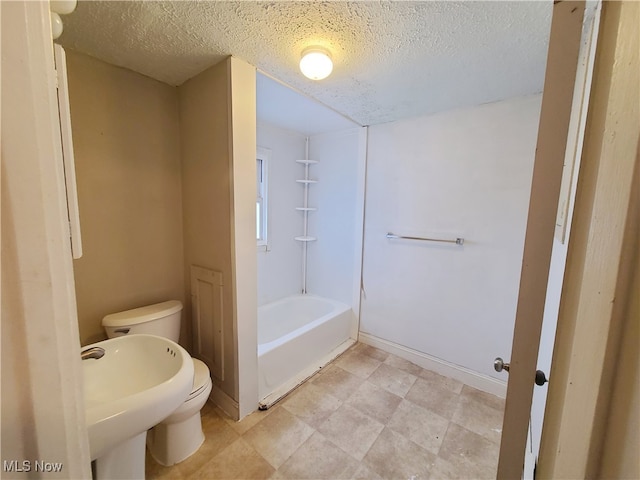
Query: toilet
[[179, 435]]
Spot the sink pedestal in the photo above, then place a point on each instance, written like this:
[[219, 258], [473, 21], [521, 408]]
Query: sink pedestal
[[138, 382], [125, 461]]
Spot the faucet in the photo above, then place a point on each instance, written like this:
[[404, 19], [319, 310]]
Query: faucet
[[93, 352]]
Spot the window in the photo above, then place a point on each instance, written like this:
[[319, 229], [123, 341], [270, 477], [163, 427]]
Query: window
[[262, 162]]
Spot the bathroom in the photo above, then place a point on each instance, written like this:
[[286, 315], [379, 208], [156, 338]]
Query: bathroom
[[153, 163], [140, 193], [155, 207], [131, 208], [167, 268]]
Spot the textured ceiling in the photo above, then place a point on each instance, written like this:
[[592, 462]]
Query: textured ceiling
[[392, 60]]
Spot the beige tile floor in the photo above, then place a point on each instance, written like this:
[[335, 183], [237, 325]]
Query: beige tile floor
[[368, 415]]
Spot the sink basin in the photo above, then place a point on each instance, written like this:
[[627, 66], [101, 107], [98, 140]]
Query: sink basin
[[140, 381]]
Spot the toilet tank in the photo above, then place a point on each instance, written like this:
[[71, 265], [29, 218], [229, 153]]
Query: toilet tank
[[162, 319]]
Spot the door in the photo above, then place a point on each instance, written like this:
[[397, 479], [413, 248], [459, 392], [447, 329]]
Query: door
[[560, 79], [67, 151], [206, 317], [573, 155]]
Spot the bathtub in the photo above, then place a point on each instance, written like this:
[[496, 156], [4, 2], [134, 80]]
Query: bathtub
[[297, 336]]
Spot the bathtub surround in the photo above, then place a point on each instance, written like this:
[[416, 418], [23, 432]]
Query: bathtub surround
[[279, 268], [297, 275], [126, 140], [333, 261], [464, 173], [333, 269]]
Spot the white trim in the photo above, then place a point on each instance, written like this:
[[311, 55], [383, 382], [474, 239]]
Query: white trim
[[225, 402], [64, 111], [244, 274], [424, 360]]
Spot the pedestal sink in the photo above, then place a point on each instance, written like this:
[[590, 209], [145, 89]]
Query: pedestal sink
[[138, 382]]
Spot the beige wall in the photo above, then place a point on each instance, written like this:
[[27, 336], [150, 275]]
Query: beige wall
[[207, 194], [622, 439], [149, 156], [126, 141]]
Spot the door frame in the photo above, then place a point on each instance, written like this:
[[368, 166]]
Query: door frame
[[600, 264], [42, 382], [603, 255], [553, 130], [569, 182]]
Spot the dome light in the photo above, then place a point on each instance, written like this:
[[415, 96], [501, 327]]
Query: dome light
[[56, 25], [316, 63]]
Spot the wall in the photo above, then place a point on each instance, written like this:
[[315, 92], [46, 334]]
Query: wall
[[337, 223], [126, 141], [245, 271], [622, 436], [205, 136], [42, 398], [280, 267], [462, 173]]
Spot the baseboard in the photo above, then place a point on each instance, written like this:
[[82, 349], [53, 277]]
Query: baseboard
[[451, 370], [225, 402]]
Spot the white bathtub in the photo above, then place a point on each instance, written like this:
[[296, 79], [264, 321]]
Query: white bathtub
[[298, 335]]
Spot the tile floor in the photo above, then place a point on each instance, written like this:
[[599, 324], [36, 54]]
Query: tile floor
[[368, 415]]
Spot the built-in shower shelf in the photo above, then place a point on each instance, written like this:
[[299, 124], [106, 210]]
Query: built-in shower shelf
[[305, 239]]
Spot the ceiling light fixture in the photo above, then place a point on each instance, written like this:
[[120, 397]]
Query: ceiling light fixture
[[316, 63]]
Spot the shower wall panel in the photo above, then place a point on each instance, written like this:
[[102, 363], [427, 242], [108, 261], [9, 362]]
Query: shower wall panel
[[333, 260], [280, 265]]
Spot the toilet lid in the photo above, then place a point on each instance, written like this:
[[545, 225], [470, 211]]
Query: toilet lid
[[200, 376]]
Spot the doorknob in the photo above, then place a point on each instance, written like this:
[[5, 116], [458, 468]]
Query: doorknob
[[499, 365], [541, 378]]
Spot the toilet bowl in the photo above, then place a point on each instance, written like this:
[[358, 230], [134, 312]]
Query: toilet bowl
[[180, 434]]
